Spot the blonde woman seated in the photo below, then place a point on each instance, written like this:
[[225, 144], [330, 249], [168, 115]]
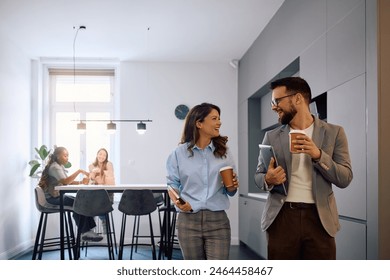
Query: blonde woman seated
[[101, 172]]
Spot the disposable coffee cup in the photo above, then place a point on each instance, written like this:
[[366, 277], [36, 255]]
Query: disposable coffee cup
[[293, 136], [227, 176]]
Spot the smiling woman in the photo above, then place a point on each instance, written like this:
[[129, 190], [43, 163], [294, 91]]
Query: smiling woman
[[193, 173]]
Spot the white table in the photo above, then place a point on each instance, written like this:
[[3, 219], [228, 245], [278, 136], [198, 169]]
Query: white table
[[161, 188]]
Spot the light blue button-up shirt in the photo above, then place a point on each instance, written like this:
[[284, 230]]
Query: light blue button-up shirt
[[197, 177]]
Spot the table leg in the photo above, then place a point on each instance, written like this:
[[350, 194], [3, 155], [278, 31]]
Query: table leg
[[165, 231], [62, 246], [168, 230]]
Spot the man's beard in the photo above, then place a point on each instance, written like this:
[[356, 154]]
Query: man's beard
[[287, 117]]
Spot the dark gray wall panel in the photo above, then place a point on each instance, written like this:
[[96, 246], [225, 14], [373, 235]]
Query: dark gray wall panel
[[337, 10], [346, 107], [345, 48], [243, 147], [313, 66], [250, 225], [351, 241]]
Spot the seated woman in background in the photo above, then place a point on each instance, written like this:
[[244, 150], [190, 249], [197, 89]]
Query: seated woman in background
[[102, 170], [102, 173], [55, 174]]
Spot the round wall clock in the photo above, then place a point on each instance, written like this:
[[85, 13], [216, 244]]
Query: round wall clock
[[181, 111]]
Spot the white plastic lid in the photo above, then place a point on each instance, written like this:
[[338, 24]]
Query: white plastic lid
[[297, 131], [224, 168]]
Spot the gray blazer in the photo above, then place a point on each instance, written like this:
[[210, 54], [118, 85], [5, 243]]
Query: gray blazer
[[334, 167]]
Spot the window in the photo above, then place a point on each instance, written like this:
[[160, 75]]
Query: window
[[82, 94]]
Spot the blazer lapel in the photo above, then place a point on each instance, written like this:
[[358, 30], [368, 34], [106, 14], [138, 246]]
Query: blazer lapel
[[284, 143], [317, 137], [318, 133]]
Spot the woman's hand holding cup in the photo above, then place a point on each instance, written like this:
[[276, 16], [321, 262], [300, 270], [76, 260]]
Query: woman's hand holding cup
[[229, 178]]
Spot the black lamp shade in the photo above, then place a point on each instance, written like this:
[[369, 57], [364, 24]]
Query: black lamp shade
[[141, 128], [81, 126], [111, 126]]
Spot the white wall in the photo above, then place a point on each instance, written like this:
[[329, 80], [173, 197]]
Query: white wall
[[16, 226], [152, 91]]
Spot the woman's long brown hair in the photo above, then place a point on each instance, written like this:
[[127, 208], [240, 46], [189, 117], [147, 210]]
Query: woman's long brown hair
[[191, 132]]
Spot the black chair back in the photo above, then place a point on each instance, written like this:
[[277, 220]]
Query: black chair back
[[137, 202], [91, 203]]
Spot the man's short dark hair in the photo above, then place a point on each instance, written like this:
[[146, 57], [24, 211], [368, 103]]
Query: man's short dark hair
[[294, 85]]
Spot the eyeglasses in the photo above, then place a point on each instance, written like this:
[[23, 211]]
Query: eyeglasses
[[276, 101]]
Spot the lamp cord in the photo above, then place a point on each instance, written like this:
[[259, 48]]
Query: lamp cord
[[74, 60]]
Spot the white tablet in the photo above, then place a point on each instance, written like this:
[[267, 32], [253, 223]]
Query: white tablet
[[267, 152]]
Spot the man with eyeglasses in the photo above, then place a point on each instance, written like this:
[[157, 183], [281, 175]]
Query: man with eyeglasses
[[303, 224]]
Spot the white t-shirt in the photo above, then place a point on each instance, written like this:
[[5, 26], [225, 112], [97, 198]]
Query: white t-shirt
[[300, 187]]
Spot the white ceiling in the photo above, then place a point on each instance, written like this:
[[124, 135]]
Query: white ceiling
[[136, 30]]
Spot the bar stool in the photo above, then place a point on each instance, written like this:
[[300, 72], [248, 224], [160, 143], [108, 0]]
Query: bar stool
[[136, 203], [166, 246], [91, 203], [159, 198], [84, 244], [43, 244]]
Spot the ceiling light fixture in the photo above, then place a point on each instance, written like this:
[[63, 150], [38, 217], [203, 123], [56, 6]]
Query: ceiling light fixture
[[81, 127], [111, 125], [141, 128]]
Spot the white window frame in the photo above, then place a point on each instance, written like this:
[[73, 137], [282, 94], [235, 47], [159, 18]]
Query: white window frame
[[80, 107]]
